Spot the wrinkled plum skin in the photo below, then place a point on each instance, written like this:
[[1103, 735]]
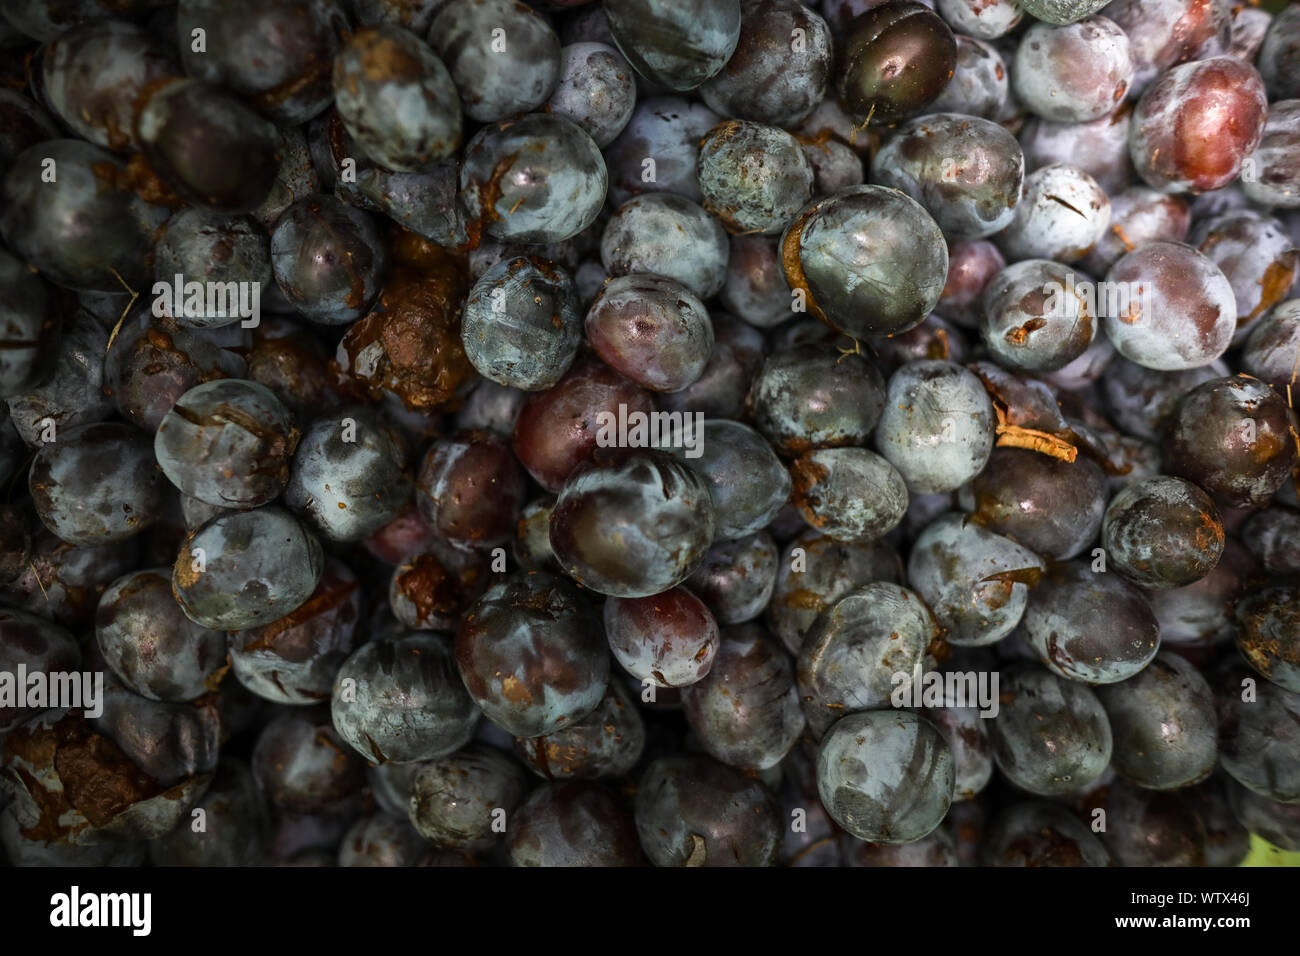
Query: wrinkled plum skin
[[407, 702], [1267, 635], [849, 493]]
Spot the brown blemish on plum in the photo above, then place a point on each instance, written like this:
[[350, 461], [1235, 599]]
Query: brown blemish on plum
[[98, 780], [792, 261]]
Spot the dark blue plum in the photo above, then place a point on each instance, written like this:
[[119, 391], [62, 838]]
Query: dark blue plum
[[1164, 724], [458, 801], [36, 644], [1090, 626], [228, 443], [210, 248], [522, 323], [397, 99], [92, 75], [634, 527], [30, 328], [503, 56], [97, 484], [153, 648], [401, 700], [532, 655], [886, 776], [86, 229], [1041, 834], [207, 146], [303, 766], [246, 568], [276, 54], [693, 811], [349, 477], [328, 259], [293, 660], [606, 744], [236, 825], [676, 43], [575, 824], [536, 179], [1051, 736], [745, 711]]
